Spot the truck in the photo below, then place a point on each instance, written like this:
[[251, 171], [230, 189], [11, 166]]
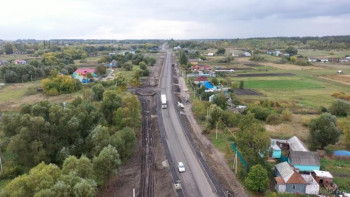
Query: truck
[[164, 103]]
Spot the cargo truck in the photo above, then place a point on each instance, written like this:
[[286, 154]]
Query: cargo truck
[[164, 103]]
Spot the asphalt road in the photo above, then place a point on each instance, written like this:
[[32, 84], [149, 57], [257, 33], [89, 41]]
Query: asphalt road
[[194, 181]]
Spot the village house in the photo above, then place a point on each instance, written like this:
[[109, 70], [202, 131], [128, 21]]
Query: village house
[[312, 59], [23, 62], [288, 180], [323, 177], [200, 79], [177, 48], [246, 54], [210, 54], [304, 160], [324, 60], [112, 64], [82, 74], [295, 144]]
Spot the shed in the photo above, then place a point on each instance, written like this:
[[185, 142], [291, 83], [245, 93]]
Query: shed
[[304, 161], [207, 85], [295, 144], [210, 54], [312, 187], [276, 150], [287, 180], [322, 177]]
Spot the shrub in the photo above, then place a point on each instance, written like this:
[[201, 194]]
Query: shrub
[[340, 108], [286, 115], [273, 119], [305, 121], [260, 113]]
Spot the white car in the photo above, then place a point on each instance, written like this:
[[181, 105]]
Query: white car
[[181, 167]]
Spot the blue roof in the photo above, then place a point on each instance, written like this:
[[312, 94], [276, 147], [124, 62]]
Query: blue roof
[[342, 153], [207, 85]]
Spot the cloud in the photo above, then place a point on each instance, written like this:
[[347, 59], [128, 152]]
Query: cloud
[[181, 19]]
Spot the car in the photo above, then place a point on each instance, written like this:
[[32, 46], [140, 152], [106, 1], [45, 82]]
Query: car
[[181, 167]]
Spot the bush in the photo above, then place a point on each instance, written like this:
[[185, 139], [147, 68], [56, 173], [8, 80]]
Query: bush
[[260, 113], [340, 108], [273, 119], [257, 59], [286, 115]]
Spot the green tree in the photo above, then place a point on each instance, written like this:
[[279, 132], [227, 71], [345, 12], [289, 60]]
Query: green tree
[[323, 131], [220, 100], [106, 163], [221, 51], [110, 103], [251, 138], [292, 51], [97, 92], [101, 70], [120, 82], [8, 48], [215, 81], [257, 179], [340, 108], [99, 137], [345, 127], [81, 167], [183, 59]]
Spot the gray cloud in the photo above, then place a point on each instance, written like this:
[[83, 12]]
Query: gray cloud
[[127, 19]]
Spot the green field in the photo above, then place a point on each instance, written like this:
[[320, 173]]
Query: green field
[[283, 85], [323, 53], [340, 170]]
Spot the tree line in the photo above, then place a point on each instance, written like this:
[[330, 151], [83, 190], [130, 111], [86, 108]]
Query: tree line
[[100, 130]]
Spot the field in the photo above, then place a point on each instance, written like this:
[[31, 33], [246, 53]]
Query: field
[[283, 85], [323, 53]]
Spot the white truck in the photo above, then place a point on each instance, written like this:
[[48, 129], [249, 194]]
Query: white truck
[[164, 103]]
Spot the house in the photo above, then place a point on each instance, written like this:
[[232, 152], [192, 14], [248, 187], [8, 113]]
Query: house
[[113, 64], [287, 180], [111, 54], [200, 79], [210, 54], [286, 55], [82, 73], [347, 58], [323, 177], [225, 70], [23, 62], [340, 72], [304, 160], [177, 48], [296, 145], [198, 67], [277, 53], [343, 61], [276, 150], [324, 60], [246, 54], [312, 187], [311, 59]]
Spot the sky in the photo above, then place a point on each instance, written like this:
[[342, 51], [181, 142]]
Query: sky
[[177, 19]]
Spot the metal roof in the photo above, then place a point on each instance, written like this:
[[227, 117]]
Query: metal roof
[[304, 158], [285, 170], [323, 174], [296, 145]]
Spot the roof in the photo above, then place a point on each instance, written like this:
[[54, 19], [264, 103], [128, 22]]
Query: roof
[[296, 145], [207, 84], [285, 170], [85, 70], [309, 179], [201, 78], [279, 180], [296, 178], [342, 153], [323, 174], [304, 158]]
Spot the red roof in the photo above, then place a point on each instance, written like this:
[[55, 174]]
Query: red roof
[[84, 71], [296, 178], [195, 67], [280, 180], [201, 78]]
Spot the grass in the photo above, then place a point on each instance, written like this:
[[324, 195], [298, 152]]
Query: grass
[[283, 85], [340, 170], [323, 53], [3, 184], [14, 91]]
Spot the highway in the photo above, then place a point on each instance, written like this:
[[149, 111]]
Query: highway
[[194, 181]]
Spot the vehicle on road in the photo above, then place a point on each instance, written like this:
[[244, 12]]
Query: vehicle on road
[[181, 167], [164, 103]]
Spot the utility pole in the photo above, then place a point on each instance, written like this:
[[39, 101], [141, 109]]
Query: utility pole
[[216, 130]]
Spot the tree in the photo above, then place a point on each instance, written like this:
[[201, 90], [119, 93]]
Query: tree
[[292, 51], [81, 167], [101, 70], [323, 131], [8, 48], [215, 81], [251, 138], [257, 179], [340, 108], [220, 100], [127, 66], [221, 51], [120, 82], [106, 163], [99, 137], [110, 103], [97, 92], [183, 59], [345, 127]]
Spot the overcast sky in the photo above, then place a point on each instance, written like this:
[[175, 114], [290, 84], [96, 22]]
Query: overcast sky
[[178, 19]]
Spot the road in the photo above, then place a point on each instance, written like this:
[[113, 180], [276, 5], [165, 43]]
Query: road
[[194, 181]]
